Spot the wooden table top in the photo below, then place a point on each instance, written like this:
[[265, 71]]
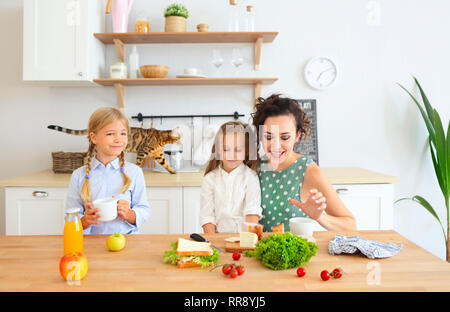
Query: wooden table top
[[30, 263]]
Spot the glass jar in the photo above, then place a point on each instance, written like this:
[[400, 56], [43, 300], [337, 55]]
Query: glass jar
[[142, 25], [233, 16], [250, 18], [118, 70], [73, 232]]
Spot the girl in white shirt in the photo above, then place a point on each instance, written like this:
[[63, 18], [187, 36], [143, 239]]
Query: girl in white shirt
[[230, 191]]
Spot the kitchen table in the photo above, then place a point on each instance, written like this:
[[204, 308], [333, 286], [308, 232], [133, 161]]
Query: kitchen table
[[31, 263]]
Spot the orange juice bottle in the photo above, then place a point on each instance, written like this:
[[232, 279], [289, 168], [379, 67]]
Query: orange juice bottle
[[73, 232]]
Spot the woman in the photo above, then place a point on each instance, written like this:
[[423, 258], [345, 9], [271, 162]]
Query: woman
[[292, 185]]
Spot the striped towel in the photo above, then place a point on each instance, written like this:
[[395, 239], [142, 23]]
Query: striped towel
[[353, 244]]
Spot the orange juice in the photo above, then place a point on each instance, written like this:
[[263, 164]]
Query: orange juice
[[73, 233]]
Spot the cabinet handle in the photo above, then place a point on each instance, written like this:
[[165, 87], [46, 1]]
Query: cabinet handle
[[80, 74], [342, 190], [40, 194]]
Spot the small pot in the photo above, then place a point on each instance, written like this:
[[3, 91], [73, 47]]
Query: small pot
[[202, 27], [175, 24]]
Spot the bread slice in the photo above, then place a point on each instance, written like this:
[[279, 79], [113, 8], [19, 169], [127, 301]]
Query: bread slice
[[278, 229], [191, 248]]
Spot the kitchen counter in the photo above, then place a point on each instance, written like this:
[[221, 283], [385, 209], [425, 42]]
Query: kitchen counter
[[30, 263], [47, 178]]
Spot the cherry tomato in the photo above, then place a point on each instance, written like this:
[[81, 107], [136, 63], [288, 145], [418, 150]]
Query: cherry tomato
[[325, 275], [226, 269], [337, 273], [236, 256], [240, 269], [234, 273], [301, 272]]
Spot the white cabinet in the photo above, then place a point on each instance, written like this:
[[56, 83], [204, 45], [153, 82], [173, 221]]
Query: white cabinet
[[34, 210], [166, 211], [58, 42], [191, 207], [371, 204]]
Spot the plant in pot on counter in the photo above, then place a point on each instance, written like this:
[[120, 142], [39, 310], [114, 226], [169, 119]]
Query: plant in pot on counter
[[283, 251], [176, 15], [440, 155]]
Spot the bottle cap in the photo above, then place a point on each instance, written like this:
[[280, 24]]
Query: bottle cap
[[72, 210], [233, 2], [249, 8]]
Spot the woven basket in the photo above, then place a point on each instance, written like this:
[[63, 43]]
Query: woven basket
[[154, 71], [67, 162]]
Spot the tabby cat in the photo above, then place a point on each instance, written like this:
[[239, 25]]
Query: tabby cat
[[143, 142]]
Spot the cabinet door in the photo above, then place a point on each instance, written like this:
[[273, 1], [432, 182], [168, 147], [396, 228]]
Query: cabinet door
[[166, 211], [371, 204], [54, 39], [191, 209], [34, 211]]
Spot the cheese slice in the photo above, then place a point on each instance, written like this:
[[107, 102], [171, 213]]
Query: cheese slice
[[248, 239]]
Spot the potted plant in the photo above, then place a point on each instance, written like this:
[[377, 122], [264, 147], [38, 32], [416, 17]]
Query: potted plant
[[440, 155], [176, 15]]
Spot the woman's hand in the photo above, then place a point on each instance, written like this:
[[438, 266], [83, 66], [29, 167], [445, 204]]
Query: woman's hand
[[314, 206], [90, 217]]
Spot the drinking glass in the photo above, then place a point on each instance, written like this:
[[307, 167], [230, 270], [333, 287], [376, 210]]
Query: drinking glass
[[237, 60], [217, 62]]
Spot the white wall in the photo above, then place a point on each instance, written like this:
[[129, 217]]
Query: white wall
[[365, 119]]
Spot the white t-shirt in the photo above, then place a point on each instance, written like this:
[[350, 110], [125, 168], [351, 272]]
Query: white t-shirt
[[226, 198]]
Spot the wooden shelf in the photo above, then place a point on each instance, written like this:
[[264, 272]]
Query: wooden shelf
[[184, 81], [186, 37], [120, 84], [120, 39]]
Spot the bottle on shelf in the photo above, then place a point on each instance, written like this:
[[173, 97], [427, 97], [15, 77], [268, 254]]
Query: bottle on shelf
[[134, 63], [233, 18], [73, 232], [249, 22]]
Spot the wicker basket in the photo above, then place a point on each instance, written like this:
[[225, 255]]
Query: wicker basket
[[67, 162], [154, 71]]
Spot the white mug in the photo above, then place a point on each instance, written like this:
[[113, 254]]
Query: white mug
[[301, 226], [191, 71], [107, 208]]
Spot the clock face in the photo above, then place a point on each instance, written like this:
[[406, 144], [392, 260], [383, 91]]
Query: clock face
[[320, 72]]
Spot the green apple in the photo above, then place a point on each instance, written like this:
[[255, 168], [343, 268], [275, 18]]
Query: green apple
[[115, 242]]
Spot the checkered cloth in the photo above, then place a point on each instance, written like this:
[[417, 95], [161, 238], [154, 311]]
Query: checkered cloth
[[353, 244]]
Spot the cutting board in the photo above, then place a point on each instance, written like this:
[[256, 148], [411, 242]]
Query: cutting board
[[235, 247]]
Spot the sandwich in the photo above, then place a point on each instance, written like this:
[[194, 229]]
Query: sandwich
[[187, 253]]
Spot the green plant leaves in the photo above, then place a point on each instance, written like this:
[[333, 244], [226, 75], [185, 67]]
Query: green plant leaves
[[439, 149], [424, 203]]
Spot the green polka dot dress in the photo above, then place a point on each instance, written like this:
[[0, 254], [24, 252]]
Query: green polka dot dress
[[276, 188]]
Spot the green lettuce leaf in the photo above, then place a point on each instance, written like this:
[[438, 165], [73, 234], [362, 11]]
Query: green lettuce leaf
[[284, 251]]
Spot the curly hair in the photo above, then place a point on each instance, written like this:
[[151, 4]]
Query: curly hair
[[275, 105]]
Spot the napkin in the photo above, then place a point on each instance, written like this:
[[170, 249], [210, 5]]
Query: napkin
[[353, 244]]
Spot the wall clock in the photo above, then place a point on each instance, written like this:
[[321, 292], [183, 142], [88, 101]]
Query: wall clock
[[320, 72]]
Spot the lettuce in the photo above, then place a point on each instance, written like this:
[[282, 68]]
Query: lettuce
[[172, 257], [284, 251]]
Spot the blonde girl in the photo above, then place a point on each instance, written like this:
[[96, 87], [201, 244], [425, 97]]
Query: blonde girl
[[230, 191], [107, 174]]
